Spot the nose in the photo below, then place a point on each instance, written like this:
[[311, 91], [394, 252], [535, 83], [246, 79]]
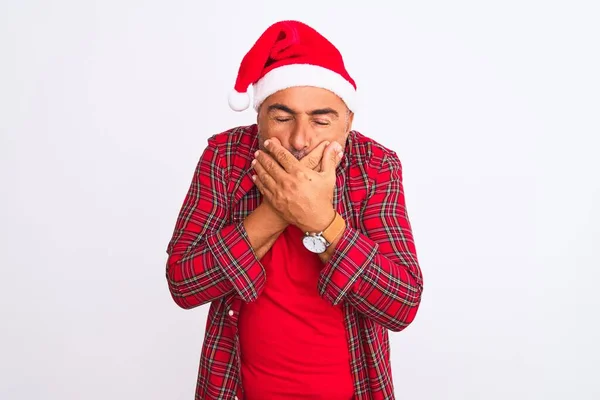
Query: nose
[[301, 137]]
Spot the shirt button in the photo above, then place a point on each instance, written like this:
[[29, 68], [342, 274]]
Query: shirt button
[[231, 315]]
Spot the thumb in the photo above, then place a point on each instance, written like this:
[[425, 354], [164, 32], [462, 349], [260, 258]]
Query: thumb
[[333, 153]]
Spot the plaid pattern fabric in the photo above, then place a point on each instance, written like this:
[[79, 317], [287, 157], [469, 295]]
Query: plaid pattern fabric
[[374, 272]]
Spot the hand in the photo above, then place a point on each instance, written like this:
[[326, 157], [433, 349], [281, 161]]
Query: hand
[[303, 196], [313, 161]]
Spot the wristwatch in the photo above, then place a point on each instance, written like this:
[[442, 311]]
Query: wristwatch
[[319, 242]]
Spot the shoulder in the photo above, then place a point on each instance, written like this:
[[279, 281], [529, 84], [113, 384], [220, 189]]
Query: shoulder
[[235, 146], [370, 155], [237, 138]]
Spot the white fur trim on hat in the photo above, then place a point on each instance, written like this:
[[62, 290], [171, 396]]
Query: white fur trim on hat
[[292, 75]]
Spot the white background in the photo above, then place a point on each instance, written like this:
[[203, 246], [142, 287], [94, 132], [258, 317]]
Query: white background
[[492, 106]]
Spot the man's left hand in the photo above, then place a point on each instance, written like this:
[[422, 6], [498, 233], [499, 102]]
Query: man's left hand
[[304, 197]]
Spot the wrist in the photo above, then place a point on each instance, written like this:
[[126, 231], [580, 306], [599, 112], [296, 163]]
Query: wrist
[[320, 224], [324, 241], [271, 217]]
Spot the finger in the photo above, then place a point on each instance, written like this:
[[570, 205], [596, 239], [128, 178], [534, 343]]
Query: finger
[[332, 155], [275, 140], [261, 187], [263, 177], [269, 166], [281, 155], [313, 159]]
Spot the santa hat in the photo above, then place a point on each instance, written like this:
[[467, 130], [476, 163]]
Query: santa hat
[[288, 54]]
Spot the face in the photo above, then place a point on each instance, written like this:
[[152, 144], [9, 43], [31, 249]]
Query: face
[[303, 117]]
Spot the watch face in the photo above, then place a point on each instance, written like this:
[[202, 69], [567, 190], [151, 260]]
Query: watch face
[[316, 244]]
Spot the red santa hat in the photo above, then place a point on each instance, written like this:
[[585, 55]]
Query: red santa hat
[[288, 54]]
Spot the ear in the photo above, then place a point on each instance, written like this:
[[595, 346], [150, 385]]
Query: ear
[[259, 115], [349, 122]]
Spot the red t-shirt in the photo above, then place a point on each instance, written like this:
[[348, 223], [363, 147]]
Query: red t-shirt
[[293, 343]]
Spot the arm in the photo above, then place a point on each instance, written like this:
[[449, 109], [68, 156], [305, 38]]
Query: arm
[[208, 259], [377, 271], [263, 226]]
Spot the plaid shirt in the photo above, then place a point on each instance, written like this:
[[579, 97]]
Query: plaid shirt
[[373, 273]]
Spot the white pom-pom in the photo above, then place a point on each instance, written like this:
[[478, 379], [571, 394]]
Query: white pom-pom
[[238, 101]]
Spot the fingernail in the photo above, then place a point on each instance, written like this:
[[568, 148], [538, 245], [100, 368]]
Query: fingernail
[[253, 163], [256, 153], [253, 177], [338, 147], [267, 142], [326, 144], [340, 154]]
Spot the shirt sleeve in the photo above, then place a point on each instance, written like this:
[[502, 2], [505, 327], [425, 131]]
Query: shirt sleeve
[[208, 258], [376, 268]]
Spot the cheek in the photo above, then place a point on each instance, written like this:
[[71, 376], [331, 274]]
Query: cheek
[[270, 129], [265, 134], [338, 136]]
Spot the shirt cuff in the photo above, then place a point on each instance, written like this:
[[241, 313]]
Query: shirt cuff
[[353, 253], [232, 250]]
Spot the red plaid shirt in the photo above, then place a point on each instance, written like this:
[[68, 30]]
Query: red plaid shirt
[[373, 272]]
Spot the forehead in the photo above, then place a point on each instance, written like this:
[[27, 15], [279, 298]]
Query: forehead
[[306, 98]]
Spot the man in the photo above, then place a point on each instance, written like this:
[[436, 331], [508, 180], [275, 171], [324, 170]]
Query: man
[[295, 229]]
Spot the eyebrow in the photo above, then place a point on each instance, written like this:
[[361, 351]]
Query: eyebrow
[[318, 111]]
